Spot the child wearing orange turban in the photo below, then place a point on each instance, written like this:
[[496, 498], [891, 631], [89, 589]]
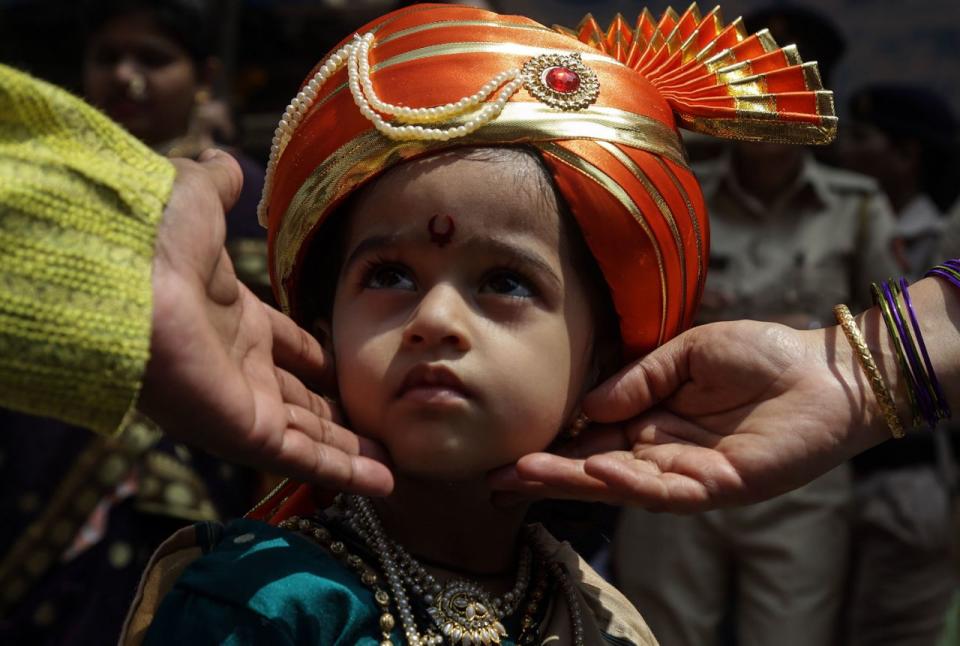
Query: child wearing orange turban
[[481, 217]]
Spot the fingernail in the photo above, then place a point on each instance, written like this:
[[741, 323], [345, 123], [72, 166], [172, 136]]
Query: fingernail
[[208, 154]]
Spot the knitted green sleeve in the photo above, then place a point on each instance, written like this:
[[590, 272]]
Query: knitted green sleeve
[[80, 202]]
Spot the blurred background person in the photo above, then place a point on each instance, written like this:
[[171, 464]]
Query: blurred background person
[[149, 66], [902, 576], [153, 67], [84, 513], [790, 238], [905, 137]]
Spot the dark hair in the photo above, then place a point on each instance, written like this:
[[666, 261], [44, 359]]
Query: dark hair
[[189, 23], [911, 113], [325, 256]]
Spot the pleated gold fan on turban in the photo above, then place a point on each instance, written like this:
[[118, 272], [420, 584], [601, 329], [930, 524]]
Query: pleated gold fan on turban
[[602, 108]]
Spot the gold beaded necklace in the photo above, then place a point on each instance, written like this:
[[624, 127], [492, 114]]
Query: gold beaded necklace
[[320, 534]]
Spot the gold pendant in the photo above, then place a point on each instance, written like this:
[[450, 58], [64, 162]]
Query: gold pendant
[[465, 615]]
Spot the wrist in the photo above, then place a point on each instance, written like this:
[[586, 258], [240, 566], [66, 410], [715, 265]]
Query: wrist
[[865, 426], [938, 313], [915, 387], [937, 304]]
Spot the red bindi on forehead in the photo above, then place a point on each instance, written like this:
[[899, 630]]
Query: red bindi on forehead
[[441, 229]]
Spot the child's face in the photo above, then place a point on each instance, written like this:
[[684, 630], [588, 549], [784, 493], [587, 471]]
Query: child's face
[[462, 332]]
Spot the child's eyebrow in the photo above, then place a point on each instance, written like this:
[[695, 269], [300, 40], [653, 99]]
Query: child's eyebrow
[[479, 243], [371, 244], [524, 256]]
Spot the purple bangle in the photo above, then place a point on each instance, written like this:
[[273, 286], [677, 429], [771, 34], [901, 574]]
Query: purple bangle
[[915, 368], [952, 264], [944, 408], [949, 271]]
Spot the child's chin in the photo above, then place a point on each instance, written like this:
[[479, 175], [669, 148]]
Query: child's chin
[[451, 471], [439, 465]]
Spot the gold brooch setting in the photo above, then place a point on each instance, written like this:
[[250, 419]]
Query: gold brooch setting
[[561, 81]]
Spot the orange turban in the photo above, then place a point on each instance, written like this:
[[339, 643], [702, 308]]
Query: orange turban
[[601, 107]]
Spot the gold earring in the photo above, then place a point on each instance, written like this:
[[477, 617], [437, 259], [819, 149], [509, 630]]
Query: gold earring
[[579, 423]]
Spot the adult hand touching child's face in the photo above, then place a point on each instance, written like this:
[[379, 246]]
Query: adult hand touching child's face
[[725, 414], [227, 372]]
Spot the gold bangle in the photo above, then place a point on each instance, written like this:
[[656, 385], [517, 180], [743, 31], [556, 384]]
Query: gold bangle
[[865, 359]]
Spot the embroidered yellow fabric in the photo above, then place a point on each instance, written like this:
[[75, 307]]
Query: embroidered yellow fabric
[[80, 202]]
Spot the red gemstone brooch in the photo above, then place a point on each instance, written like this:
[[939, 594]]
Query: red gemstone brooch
[[561, 81]]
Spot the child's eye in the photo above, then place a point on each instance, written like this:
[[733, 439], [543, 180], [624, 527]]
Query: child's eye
[[507, 283], [389, 277]]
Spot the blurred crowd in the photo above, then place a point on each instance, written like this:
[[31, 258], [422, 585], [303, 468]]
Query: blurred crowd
[[862, 556]]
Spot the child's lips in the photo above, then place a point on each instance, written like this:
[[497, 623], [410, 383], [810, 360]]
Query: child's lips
[[433, 395], [433, 384]]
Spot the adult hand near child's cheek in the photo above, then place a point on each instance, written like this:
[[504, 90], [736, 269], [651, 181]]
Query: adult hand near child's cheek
[[727, 413], [226, 371]]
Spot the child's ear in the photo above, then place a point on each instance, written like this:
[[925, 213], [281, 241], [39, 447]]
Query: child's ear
[[322, 331]]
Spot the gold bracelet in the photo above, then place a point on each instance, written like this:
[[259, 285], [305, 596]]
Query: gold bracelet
[[865, 359]]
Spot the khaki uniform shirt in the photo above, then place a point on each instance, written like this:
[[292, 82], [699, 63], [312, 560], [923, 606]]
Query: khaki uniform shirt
[[821, 243]]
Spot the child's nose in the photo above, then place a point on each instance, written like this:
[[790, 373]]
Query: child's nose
[[439, 320]]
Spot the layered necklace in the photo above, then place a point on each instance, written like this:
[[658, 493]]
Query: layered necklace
[[460, 611]]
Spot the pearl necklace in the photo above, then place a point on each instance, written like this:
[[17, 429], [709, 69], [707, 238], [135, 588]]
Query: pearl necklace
[[462, 611]]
